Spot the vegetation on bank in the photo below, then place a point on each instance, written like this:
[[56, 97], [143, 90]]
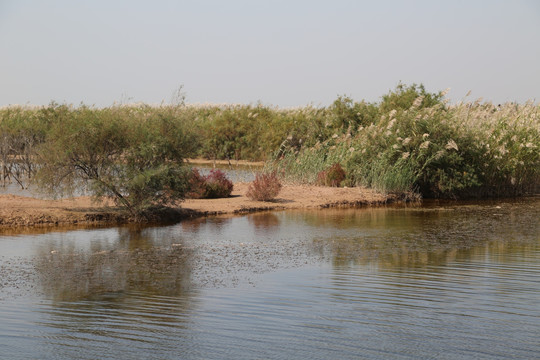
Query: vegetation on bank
[[134, 156], [410, 142], [423, 145]]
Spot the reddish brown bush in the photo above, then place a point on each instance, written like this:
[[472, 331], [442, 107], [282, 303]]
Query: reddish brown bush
[[332, 176], [197, 185], [265, 187], [214, 185], [217, 185]]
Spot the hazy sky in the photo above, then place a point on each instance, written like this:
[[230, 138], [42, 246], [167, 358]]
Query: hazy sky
[[286, 53]]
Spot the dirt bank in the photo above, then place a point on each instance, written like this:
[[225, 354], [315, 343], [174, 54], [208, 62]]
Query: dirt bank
[[290, 197], [26, 211], [16, 211]]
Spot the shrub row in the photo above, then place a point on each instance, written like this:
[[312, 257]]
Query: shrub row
[[410, 141]]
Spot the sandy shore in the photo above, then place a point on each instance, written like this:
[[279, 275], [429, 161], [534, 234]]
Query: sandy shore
[[19, 211]]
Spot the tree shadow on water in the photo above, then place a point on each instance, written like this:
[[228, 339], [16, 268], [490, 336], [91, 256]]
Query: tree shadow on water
[[134, 262]]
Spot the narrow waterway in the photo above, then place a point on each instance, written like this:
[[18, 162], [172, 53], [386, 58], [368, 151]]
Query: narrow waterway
[[437, 281]]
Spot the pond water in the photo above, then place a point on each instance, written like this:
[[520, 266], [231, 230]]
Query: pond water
[[437, 281], [235, 173]]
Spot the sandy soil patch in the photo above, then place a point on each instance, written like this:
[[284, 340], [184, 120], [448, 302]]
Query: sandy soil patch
[[290, 197], [23, 211], [26, 211]]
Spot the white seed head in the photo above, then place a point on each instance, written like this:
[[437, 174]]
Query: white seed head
[[418, 101], [451, 145]]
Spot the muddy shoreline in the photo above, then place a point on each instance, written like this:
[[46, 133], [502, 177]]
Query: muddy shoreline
[[27, 212]]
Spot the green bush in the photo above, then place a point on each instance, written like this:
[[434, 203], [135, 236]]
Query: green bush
[[136, 160], [441, 151], [409, 141], [21, 132], [403, 97]]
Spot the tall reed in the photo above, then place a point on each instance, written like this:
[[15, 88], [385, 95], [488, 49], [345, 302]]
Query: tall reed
[[410, 141]]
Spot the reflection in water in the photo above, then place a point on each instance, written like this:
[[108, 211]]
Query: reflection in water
[[193, 225], [264, 222], [115, 296], [226, 251], [394, 238], [360, 283], [131, 264], [39, 230]]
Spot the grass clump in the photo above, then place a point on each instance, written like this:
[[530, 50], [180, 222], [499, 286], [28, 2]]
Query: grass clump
[[265, 187]]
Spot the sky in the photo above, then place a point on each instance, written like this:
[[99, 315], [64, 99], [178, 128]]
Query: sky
[[280, 52]]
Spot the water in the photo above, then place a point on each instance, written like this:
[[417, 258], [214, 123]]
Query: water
[[235, 173], [16, 189], [440, 281]]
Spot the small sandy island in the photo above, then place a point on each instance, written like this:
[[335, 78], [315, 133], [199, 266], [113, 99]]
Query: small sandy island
[[16, 211]]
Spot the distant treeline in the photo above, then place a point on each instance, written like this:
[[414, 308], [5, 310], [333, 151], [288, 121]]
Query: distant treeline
[[411, 141]]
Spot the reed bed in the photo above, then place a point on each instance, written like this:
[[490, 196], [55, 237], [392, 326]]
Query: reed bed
[[410, 142], [466, 150]]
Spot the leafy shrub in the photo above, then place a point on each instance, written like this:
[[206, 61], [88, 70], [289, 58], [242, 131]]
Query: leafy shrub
[[332, 176], [404, 96], [137, 160], [347, 115], [265, 187]]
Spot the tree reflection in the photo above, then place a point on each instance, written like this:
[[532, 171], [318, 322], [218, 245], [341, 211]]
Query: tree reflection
[[129, 263], [404, 238]]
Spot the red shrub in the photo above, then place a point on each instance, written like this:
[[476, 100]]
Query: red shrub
[[217, 185], [265, 187], [211, 186], [197, 185], [332, 176]]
